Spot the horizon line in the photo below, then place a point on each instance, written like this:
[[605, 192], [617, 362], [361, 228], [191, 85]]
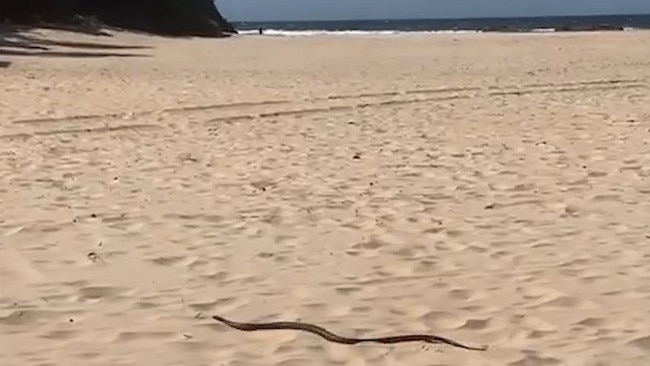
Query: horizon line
[[442, 18]]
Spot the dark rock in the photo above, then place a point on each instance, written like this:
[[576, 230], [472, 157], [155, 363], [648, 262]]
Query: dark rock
[[198, 18], [502, 29], [589, 28]]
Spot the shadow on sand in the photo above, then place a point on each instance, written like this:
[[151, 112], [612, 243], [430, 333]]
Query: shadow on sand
[[14, 42]]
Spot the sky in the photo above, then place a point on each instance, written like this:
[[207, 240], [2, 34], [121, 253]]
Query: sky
[[265, 10]]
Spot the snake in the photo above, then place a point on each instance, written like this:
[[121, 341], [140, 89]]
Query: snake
[[335, 338]]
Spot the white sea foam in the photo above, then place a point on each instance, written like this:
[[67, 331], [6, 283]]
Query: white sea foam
[[315, 32], [543, 30], [307, 33]]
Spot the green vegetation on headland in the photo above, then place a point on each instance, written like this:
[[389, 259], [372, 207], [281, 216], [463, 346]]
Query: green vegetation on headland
[[198, 18]]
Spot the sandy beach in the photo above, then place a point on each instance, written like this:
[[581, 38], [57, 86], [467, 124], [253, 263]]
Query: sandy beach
[[489, 188]]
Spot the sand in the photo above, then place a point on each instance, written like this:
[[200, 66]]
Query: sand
[[490, 188]]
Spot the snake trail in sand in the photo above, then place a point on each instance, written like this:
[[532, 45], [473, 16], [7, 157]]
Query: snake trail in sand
[[324, 333]]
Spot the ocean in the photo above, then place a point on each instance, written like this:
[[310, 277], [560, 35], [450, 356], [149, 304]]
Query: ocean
[[387, 26]]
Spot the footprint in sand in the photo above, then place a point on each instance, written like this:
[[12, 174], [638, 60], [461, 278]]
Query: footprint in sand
[[134, 336], [97, 293], [167, 261], [642, 343], [30, 317], [60, 335], [533, 359], [460, 294]]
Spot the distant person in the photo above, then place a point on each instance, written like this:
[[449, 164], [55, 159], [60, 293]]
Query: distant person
[[260, 31]]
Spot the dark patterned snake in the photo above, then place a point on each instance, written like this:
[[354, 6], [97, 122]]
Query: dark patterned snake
[[311, 328]]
